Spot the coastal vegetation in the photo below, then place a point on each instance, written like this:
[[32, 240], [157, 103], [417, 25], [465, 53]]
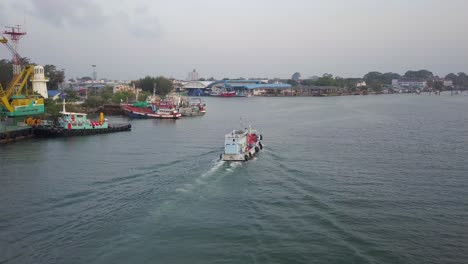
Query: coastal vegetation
[[162, 85], [56, 77], [377, 81]]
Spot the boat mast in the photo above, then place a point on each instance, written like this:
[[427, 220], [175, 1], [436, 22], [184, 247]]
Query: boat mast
[[136, 92], [63, 106]]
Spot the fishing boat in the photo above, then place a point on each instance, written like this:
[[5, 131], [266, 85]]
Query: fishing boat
[[242, 93], [161, 110], [222, 92], [77, 124], [192, 107], [241, 145]]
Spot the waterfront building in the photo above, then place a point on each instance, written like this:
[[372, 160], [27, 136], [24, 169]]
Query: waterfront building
[[448, 83], [361, 84], [409, 83], [241, 87]]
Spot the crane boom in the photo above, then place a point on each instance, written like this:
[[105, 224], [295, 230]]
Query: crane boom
[[5, 41]]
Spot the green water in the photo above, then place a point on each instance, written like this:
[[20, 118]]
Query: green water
[[357, 179]]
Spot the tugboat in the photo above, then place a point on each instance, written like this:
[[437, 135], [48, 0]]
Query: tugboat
[[77, 124], [162, 110], [241, 145]]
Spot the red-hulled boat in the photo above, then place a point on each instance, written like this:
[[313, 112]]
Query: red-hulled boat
[[160, 110]]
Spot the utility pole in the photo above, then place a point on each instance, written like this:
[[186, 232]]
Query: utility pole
[[94, 78]]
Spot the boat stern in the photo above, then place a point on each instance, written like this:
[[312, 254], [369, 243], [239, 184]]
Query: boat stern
[[233, 157]]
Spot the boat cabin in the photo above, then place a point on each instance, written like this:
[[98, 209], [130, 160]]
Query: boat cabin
[[70, 120], [235, 142]]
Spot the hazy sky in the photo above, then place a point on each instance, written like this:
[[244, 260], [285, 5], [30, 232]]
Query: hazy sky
[[128, 39]]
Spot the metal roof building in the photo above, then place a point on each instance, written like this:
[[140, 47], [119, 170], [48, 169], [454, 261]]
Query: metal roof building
[[198, 88]]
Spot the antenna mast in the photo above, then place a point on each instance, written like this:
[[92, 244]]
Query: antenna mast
[[15, 34]]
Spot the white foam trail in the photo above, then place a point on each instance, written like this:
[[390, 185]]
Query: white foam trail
[[235, 164], [213, 169], [181, 190]]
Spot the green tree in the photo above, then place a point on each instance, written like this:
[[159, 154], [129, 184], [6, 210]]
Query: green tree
[[326, 80], [451, 76], [292, 82], [430, 84], [146, 84], [52, 108], [163, 86], [143, 95], [462, 79], [72, 95], [93, 101], [6, 72], [438, 86], [85, 79], [123, 96], [308, 82], [56, 77], [421, 74], [107, 93], [376, 80]]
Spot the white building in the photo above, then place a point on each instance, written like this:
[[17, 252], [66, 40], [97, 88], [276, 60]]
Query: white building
[[193, 75], [361, 84], [448, 83], [409, 83], [39, 82]]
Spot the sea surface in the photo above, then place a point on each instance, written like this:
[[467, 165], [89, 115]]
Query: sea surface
[[355, 179]]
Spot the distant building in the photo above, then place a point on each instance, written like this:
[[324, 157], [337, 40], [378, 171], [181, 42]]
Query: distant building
[[193, 75], [448, 83], [296, 76], [361, 84], [54, 94], [125, 88], [241, 87], [408, 83]]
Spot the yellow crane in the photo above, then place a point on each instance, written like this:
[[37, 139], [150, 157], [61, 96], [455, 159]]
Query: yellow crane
[[18, 99]]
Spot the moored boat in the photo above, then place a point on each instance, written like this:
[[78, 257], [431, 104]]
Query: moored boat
[[77, 124], [193, 107], [161, 110], [222, 92], [241, 145]]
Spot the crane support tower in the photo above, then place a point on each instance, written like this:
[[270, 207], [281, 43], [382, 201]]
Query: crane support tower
[[15, 35]]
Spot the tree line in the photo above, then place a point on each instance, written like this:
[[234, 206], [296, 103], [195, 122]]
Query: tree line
[[55, 76], [376, 81]]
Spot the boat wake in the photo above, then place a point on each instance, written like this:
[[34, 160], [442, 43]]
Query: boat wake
[[233, 165], [218, 164], [203, 178]]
